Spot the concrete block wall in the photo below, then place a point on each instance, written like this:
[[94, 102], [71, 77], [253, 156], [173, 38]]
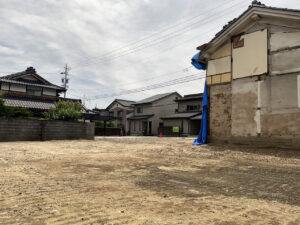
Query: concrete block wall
[[38, 130]]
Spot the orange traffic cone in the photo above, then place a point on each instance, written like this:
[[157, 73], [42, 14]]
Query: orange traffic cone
[[160, 135]]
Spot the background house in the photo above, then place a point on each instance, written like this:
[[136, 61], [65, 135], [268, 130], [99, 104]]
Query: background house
[[147, 113], [29, 90], [121, 110], [187, 117], [253, 73]]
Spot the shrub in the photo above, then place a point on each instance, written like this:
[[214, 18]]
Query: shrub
[[13, 112], [108, 123], [65, 110]]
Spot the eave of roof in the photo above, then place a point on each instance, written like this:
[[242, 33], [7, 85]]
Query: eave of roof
[[141, 117], [188, 115], [155, 98], [121, 102], [32, 84], [29, 71]]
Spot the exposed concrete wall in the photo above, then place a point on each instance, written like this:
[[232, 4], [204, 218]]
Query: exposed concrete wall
[[37, 130], [244, 107], [220, 110]]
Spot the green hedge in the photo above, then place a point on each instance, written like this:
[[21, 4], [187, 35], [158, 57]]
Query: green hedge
[[13, 112]]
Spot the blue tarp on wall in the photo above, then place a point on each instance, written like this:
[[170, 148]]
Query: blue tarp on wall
[[198, 65], [201, 140]]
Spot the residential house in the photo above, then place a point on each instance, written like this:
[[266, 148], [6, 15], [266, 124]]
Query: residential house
[[29, 90], [188, 115], [121, 110], [147, 113], [253, 78]]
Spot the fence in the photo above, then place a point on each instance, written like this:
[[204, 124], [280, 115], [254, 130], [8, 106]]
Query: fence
[[42, 130], [108, 131]]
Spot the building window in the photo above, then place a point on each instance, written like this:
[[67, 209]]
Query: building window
[[192, 108], [139, 109], [120, 113], [34, 91]]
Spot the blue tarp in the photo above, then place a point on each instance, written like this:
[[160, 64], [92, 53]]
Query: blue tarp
[[201, 140], [198, 65]]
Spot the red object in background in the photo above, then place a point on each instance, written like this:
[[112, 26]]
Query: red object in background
[[160, 135], [122, 134]]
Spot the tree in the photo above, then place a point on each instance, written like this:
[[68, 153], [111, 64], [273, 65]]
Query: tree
[[65, 110]]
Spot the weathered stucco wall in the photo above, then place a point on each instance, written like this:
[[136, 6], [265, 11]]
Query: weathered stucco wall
[[244, 107], [220, 110]]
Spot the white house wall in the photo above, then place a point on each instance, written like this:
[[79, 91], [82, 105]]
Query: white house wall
[[5, 86], [18, 88], [50, 92]]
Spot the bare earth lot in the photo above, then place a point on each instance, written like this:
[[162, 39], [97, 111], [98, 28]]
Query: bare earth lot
[[147, 181]]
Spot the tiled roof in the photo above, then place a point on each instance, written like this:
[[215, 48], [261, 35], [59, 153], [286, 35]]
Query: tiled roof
[[154, 98], [190, 97], [31, 84], [254, 4], [182, 115], [32, 102], [16, 101], [126, 103]]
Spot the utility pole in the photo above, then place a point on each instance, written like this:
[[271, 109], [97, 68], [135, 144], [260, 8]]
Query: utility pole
[[65, 79]]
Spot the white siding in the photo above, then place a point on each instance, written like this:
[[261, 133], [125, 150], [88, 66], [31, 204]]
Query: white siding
[[50, 92], [18, 87], [5, 86]]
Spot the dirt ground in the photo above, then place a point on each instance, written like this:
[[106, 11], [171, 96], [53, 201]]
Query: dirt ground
[[147, 181]]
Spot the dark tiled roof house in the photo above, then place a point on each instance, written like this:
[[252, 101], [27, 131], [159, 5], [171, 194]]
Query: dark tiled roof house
[[29, 90]]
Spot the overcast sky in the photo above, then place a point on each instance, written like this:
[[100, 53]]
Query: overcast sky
[[113, 45]]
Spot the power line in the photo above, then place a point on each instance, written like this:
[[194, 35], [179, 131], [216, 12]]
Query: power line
[[154, 86], [152, 78], [168, 36]]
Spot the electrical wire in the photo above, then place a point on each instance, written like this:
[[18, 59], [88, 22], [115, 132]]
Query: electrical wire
[[154, 86], [159, 40]]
